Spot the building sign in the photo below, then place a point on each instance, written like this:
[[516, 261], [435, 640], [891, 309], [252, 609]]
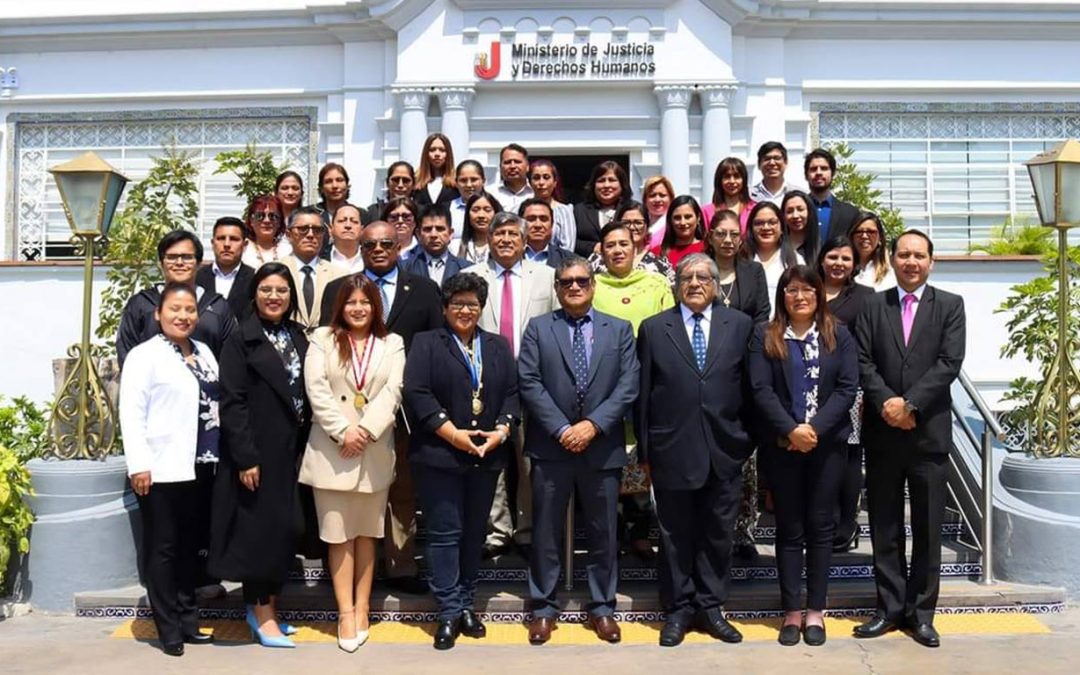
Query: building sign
[[530, 61]]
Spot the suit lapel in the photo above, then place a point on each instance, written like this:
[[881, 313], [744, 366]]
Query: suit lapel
[[560, 330], [717, 332], [601, 344], [923, 311], [677, 334], [527, 282], [401, 296], [266, 362], [892, 315], [493, 308]]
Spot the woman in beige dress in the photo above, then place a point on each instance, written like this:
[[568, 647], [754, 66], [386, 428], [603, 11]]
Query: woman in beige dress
[[353, 374]]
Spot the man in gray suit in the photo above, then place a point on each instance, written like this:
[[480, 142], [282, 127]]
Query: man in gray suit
[[518, 290], [578, 378]]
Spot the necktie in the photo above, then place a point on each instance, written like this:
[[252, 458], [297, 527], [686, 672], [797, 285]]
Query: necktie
[[381, 282], [698, 343], [506, 311], [309, 287], [580, 360], [907, 316]]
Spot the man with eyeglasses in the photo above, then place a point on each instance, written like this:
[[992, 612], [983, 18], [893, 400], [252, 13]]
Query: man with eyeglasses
[[539, 219], [311, 274], [518, 290], [411, 304], [434, 260], [690, 432], [578, 378], [772, 163], [179, 253]]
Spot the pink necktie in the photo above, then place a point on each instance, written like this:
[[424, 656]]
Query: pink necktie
[[907, 316], [506, 311]]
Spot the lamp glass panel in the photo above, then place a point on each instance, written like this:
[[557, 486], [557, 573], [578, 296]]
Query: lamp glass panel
[[112, 198], [82, 193], [1070, 193], [1042, 179]]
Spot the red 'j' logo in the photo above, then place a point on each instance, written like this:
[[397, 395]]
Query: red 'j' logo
[[488, 68]]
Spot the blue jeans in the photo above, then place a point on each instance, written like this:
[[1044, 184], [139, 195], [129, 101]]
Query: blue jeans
[[456, 507]]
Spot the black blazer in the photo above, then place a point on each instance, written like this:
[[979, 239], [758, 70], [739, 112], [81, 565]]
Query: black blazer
[[587, 218], [239, 297], [418, 264], [841, 218], [417, 305], [137, 322], [922, 371], [838, 380], [690, 423], [845, 307], [446, 195], [751, 292], [438, 388]]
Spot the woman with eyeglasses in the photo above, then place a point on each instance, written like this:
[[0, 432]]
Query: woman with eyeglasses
[[868, 236], [836, 267], [731, 191], [546, 184], [480, 211], [289, 189], [804, 373], [264, 421], [685, 233], [435, 180], [265, 230], [169, 398], [461, 400], [402, 213], [629, 292], [635, 217], [766, 245], [400, 180], [353, 374]]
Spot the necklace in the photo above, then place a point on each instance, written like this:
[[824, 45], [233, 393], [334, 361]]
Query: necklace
[[259, 253]]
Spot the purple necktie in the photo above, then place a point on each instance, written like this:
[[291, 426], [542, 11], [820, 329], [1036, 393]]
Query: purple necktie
[[907, 316], [506, 311]]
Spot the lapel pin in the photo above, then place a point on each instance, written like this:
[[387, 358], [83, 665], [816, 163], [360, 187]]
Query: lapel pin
[[405, 288]]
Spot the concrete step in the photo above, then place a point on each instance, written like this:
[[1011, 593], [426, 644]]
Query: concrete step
[[637, 601]]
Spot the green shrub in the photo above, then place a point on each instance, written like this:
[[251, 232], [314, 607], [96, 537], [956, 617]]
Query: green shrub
[[15, 515], [255, 170], [1019, 237], [24, 427]]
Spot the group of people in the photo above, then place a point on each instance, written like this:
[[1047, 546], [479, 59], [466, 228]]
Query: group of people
[[486, 355]]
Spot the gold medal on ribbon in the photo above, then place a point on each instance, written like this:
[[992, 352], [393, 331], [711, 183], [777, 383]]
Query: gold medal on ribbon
[[477, 405], [360, 400]]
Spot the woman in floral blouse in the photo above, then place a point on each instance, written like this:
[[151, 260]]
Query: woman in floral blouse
[[265, 421]]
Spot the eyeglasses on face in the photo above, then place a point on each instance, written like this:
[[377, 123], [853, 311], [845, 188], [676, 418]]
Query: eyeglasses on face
[[269, 291], [400, 217], [772, 159], [702, 278], [185, 258], [726, 234], [568, 282], [305, 230], [771, 222], [458, 306], [799, 291], [634, 224], [266, 215], [865, 233], [372, 244], [399, 180]]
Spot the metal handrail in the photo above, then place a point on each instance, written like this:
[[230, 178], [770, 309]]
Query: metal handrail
[[991, 430]]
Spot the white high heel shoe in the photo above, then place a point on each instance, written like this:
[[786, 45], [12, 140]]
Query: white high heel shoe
[[349, 645]]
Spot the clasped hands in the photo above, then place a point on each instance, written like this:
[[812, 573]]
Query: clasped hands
[[463, 440], [896, 414], [577, 436], [355, 442], [802, 438]]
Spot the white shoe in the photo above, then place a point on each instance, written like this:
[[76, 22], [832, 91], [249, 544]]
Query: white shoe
[[350, 645], [361, 637]]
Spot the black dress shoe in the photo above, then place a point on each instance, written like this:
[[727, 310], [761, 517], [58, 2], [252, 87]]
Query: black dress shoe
[[789, 635], [471, 626], [875, 627], [746, 553], [198, 638], [814, 635], [173, 648], [718, 627], [847, 544], [673, 632], [446, 633], [926, 635], [410, 585], [495, 551]]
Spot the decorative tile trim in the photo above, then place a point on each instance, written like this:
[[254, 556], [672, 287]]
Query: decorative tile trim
[[926, 107], [170, 114]]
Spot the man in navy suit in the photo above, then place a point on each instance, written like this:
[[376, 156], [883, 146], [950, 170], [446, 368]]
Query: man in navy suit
[[690, 431], [578, 378], [433, 259], [539, 220]]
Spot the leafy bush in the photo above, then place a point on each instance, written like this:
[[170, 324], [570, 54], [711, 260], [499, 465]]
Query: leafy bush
[[856, 187], [255, 170], [1019, 237], [24, 427], [15, 515]]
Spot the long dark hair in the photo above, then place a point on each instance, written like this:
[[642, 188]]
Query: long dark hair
[[879, 257], [557, 193], [669, 232], [839, 241], [425, 174], [775, 345], [467, 227], [274, 269], [625, 193], [812, 240], [750, 246], [734, 164], [339, 327]]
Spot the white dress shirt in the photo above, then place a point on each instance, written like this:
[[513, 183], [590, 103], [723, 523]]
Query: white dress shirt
[[223, 282], [511, 200], [688, 323], [354, 264], [867, 275], [436, 266], [457, 221], [918, 293]]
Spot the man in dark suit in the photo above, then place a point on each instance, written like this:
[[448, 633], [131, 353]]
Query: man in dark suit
[[433, 260], [578, 377], [227, 275], [539, 220], [689, 429], [911, 347], [414, 305], [834, 216]]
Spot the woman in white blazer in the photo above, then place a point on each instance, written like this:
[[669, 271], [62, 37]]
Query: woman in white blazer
[[169, 415], [353, 373]]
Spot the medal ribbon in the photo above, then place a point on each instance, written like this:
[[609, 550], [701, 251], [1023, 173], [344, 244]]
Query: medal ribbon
[[474, 361], [360, 365]]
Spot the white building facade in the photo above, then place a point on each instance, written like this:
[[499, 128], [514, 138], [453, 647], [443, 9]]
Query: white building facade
[[943, 101]]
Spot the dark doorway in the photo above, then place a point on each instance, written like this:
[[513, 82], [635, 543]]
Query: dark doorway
[[575, 170]]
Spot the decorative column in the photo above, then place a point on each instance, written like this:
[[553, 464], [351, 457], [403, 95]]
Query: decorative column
[[413, 102], [715, 131], [454, 103], [675, 134]]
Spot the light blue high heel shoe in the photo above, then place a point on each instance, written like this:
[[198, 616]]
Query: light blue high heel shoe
[[266, 640], [288, 628]]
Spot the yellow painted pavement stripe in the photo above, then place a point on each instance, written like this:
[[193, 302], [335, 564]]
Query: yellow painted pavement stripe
[[578, 634]]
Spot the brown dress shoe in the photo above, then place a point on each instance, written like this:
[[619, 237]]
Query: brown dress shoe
[[605, 628], [540, 630]]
